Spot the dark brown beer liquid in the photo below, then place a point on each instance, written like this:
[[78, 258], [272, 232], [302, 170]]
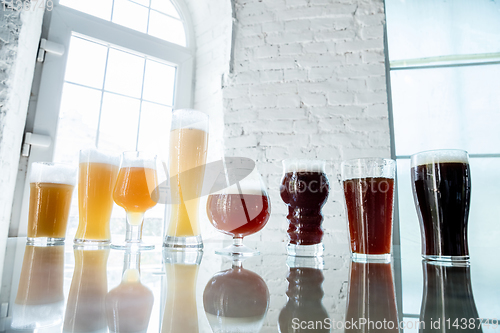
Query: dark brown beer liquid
[[369, 204], [305, 193], [442, 197]]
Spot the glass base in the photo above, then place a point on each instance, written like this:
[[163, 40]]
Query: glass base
[[132, 246], [315, 250], [91, 242], [361, 257], [190, 242], [237, 251], [446, 259], [41, 241]]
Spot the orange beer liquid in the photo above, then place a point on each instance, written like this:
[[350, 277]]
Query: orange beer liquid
[[95, 200], [132, 191], [188, 150], [49, 209]]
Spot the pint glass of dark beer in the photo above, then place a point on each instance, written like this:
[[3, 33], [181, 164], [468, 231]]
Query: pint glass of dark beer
[[441, 189], [304, 189], [369, 199]]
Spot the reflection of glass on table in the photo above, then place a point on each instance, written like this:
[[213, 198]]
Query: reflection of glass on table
[[40, 299]]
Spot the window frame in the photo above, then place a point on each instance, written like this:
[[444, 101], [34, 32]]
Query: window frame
[[60, 24]]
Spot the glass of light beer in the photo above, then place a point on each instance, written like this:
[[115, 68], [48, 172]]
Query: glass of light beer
[[51, 189], [97, 178], [188, 151], [441, 188], [136, 191]]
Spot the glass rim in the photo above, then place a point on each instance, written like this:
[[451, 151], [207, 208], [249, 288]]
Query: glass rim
[[303, 165], [439, 150], [440, 156], [366, 159], [53, 172]]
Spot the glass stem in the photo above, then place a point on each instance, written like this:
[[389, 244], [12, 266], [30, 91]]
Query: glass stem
[[131, 260], [238, 241], [134, 228]]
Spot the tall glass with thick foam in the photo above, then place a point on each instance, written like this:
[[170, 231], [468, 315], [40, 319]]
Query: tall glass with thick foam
[[51, 189], [97, 178], [188, 151]]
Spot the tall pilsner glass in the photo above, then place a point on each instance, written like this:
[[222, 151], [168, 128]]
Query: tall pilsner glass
[[188, 151]]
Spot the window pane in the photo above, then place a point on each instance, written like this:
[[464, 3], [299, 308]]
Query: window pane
[[98, 8], [154, 132], [78, 121], [142, 2], [124, 73], [166, 28], [418, 29], [159, 83], [165, 6], [119, 122], [130, 15], [86, 62], [447, 108]]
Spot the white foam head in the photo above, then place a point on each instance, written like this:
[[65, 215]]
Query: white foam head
[[137, 159], [440, 156], [99, 156], [368, 167], [303, 165], [189, 118], [58, 173]]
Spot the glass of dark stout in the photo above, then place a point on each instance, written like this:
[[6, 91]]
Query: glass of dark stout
[[441, 188], [304, 189], [240, 210], [369, 199]]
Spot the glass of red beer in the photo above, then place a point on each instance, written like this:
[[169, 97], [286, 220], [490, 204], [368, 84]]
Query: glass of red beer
[[304, 189], [369, 200], [239, 210], [441, 188]]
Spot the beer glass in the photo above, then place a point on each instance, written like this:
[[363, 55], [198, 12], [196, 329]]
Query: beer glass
[[97, 179], [188, 151], [51, 189], [441, 184], [304, 189], [236, 300], [240, 210], [136, 190], [369, 199], [39, 301]]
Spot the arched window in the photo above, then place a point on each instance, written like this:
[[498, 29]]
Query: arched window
[[127, 64]]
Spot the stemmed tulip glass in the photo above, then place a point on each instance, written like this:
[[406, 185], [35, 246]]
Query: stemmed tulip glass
[[136, 190], [240, 210]]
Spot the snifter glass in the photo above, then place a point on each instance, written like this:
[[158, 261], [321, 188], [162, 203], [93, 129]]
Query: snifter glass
[[136, 190], [369, 199], [304, 189], [441, 184], [240, 210]]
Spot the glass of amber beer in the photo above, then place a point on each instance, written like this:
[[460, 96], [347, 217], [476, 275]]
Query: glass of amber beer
[[369, 200], [136, 190], [441, 188], [97, 178], [188, 151], [51, 189]]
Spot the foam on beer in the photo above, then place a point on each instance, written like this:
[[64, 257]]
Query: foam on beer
[[55, 173], [98, 156], [299, 165], [189, 118], [440, 156]]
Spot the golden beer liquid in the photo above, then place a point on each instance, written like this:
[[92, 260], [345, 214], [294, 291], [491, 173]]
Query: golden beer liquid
[[180, 309], [42, 275], [95, 200], [49, 209], [132, 191], [188, 150]]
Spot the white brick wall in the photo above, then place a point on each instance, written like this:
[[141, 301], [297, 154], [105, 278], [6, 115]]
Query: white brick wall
[[19, 36], [309, 82]]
